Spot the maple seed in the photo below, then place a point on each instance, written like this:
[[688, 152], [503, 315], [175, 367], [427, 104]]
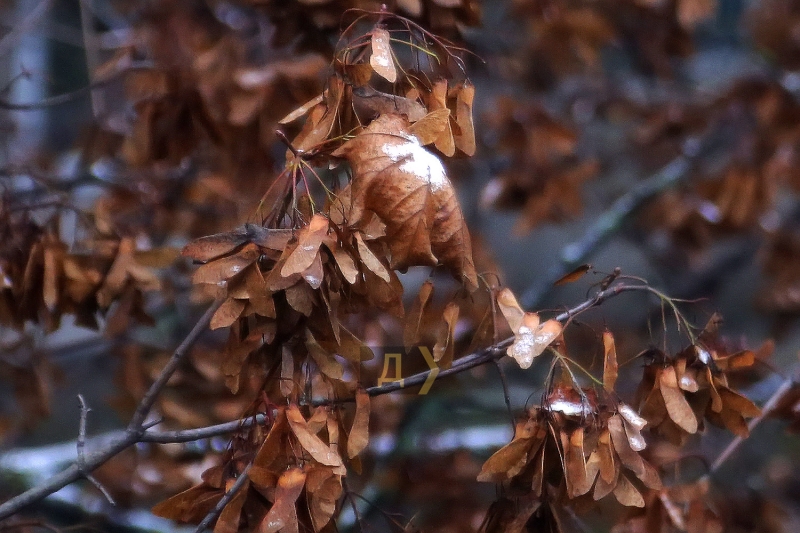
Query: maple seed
[[381, 59], [530, 337]]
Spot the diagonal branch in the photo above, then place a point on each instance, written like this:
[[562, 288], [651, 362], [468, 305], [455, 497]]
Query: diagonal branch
[[225, 500], [780, 393], [136, 429], [81, 447], [486, 355], [609, 222], [11, 39], [137, 421]]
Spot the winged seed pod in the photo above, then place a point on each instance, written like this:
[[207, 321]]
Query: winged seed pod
[[575, 443], [531, 336]]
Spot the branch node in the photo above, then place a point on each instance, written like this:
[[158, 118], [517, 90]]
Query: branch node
[[81, 447]]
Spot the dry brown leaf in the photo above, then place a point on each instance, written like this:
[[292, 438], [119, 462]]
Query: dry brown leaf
[[287, 382], [282, 516], [610, 366], [358, 439], [406, 186], [229, 518], [324, 498], [369, 103], [465, 136], [272, 446], [608, 466], [302, 110], [308, 242], [511, 309], [228, 313], [215, 246], [533, 338], [220, 270], [431, 126], [445, 142], [506, 462], [574, 275], [678, 408], [321, 120], [691, 12], [343, 259], [370, 260], [301, 297], [189, 506], [413, 322], [444, 348], [309, 441], [53, 258], [326, 362], [627, 494], [575, 463]]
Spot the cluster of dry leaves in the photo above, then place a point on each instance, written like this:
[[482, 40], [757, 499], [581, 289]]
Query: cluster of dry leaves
[[293, 473], [292, 285], [364, 194], [42, 279], [583, 444]]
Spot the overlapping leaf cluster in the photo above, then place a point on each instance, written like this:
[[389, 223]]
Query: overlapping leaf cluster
[[573, 445], [583, 444], [677, 393], [293, 287], [293, 474], [43, 279]]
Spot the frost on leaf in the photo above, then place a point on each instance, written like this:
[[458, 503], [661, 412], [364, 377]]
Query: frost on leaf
[[531, 337], [407, 187]]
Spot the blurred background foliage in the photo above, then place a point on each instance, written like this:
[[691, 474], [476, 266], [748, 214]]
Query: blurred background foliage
[[658, 136]]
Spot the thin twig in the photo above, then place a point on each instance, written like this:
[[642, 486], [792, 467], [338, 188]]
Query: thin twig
[[608, 223], [480, 357], [92, 57], [81, 447], [180, 352], [349, 495], [19, 30], [506, 397], [131, 436], [770, 406], [225, 500], [73, 95], [190, 435]]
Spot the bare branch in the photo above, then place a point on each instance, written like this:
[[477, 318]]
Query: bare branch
[[131, 436], [81, 446], [137, 421], [18, 32], [138, 431], [190, 435], [770, 406], [72, 95], [609, 222], [225, 500], [492, 353]]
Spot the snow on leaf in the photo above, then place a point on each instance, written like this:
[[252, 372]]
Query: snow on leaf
[[381, 59], [407, 187], [533, 338]]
